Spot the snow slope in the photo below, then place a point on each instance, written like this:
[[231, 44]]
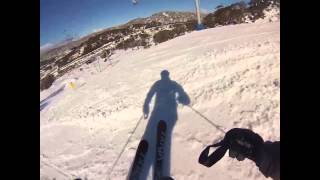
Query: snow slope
[[231, 74]]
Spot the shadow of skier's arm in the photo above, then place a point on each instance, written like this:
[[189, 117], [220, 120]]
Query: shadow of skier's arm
[[146, 103], [183, 97]]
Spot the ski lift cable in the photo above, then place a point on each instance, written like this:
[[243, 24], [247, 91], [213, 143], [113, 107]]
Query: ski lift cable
[[124, 147]]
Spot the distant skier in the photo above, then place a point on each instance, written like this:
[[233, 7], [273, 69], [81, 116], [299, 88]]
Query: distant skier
[[244, 143], [167, 94]]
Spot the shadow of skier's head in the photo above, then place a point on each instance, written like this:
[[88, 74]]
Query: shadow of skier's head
[[165, 75], [167, 94]]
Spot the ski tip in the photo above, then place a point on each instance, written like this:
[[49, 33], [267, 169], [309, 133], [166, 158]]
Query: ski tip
[[166, 178], [143, 144], [162, 121]]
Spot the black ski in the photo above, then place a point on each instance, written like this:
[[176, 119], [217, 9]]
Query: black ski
[[161, 135], [138, 161], [167, 178]]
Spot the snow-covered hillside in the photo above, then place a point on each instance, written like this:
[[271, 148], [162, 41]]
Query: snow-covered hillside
[[231, 74]]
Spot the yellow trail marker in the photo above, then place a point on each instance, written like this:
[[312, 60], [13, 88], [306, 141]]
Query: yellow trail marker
[[72, 85]]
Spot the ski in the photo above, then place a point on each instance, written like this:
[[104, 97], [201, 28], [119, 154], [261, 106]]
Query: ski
[[138, 161], [161, 135], [166, 178]]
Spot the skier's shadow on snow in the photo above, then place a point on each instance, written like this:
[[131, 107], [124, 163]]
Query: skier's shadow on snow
[[168, 94]]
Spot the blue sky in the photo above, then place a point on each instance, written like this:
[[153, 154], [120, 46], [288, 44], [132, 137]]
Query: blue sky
[[60, 19]]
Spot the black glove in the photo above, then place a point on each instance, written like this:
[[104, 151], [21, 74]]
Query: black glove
[[242, 143]]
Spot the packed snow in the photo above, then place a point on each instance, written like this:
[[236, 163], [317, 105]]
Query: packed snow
[[230, 73]]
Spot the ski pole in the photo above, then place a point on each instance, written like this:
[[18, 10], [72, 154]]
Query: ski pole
[[213, 124], [57, 169], [124, 147]]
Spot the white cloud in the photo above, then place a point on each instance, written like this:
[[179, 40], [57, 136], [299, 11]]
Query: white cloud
[[97, 30]]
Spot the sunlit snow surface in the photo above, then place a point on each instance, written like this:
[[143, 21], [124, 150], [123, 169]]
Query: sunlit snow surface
[[230, 73]]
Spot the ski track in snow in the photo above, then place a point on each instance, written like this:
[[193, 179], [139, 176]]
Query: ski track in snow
[[231, 73]]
